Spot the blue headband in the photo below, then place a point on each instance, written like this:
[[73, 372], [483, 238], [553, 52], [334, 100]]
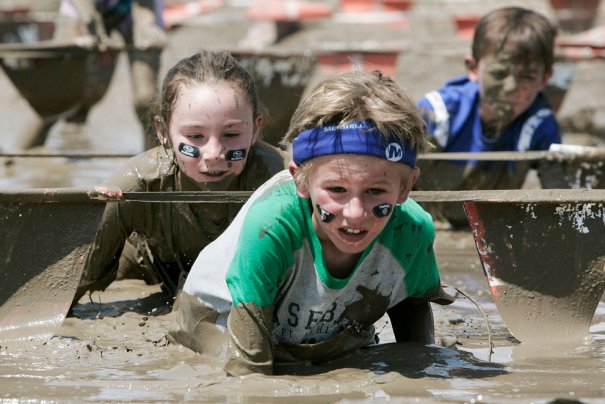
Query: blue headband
[[359, 137]]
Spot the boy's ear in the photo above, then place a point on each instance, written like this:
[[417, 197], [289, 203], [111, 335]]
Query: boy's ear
[[406, 188], [547, 77], [301, 189], [472, 68]]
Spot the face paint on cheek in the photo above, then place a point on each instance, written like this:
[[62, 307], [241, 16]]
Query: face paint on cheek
[[189, 151], [325, 216], [235, 155], [382, 210]]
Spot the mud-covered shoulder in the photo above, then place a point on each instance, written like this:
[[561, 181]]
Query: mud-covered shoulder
[[147, 171], [263, 163]]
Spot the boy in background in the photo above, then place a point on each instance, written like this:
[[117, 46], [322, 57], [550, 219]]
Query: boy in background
[[498, 106]]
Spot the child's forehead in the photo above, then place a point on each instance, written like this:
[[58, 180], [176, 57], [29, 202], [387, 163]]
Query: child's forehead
[[345, 166], [514, 53], [513, 60]]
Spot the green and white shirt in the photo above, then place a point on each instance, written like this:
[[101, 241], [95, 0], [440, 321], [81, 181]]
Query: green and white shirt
[[270, 259]]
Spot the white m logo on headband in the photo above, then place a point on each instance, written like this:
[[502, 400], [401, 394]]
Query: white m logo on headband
[[394, 152]]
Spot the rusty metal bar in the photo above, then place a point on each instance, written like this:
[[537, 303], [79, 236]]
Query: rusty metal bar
[[114, 194], [49, 195], [69, 155], [478, 156]]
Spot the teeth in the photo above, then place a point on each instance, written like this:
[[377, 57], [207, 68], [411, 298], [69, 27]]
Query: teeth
[[353, 231]]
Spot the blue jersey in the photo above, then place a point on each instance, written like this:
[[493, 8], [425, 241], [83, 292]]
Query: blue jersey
[[452, 117]]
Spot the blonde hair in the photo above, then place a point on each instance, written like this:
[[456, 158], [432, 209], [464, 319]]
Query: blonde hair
[[359, 96]]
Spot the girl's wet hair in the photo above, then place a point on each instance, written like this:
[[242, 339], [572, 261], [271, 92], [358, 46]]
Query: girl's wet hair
[[204, 67], [526, 34]]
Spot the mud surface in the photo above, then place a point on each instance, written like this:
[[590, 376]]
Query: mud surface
[[113, 347]]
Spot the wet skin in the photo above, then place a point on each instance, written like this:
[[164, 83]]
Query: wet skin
[[507, 89], [216, 119], [349, 187]]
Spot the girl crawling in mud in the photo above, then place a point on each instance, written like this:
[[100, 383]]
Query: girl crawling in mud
[[320, 253], [208, 123]]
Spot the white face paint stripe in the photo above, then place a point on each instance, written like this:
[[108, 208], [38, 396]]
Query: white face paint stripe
[[442, 117], [529, 128]]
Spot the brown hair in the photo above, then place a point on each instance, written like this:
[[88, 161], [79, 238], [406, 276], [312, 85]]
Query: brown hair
[[204, 67], [531, 35]]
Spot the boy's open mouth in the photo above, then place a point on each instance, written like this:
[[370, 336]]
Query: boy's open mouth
[[349, 234]]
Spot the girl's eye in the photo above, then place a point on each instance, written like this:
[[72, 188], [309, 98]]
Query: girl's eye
[[195, 136], [231, 134], [376, 191], [336, 190]]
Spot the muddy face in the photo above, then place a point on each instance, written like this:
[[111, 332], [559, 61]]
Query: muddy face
[[211, 129], [349, 187], [507, 89]]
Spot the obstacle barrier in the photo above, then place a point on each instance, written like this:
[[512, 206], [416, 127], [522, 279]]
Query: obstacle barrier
[[177, 12], [543, 255], [465, 25], [575, 15], [281, 79], [276, 19], [388, 13], [55, 78], [45, 239], [542, 251]]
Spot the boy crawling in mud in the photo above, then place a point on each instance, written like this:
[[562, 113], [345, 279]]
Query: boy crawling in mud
[[498, 106], [320, 253]]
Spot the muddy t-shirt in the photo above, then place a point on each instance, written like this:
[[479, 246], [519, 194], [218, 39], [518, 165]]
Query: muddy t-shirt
[[171, 234], [277, 280]]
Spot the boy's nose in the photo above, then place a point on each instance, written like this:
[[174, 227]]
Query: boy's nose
[[354, 208], [509, 84]]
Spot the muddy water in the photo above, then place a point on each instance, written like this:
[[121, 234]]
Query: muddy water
[[113, 347]]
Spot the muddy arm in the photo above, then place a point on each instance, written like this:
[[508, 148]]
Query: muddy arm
[[251, 346], [102, 264], [412, 321]]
